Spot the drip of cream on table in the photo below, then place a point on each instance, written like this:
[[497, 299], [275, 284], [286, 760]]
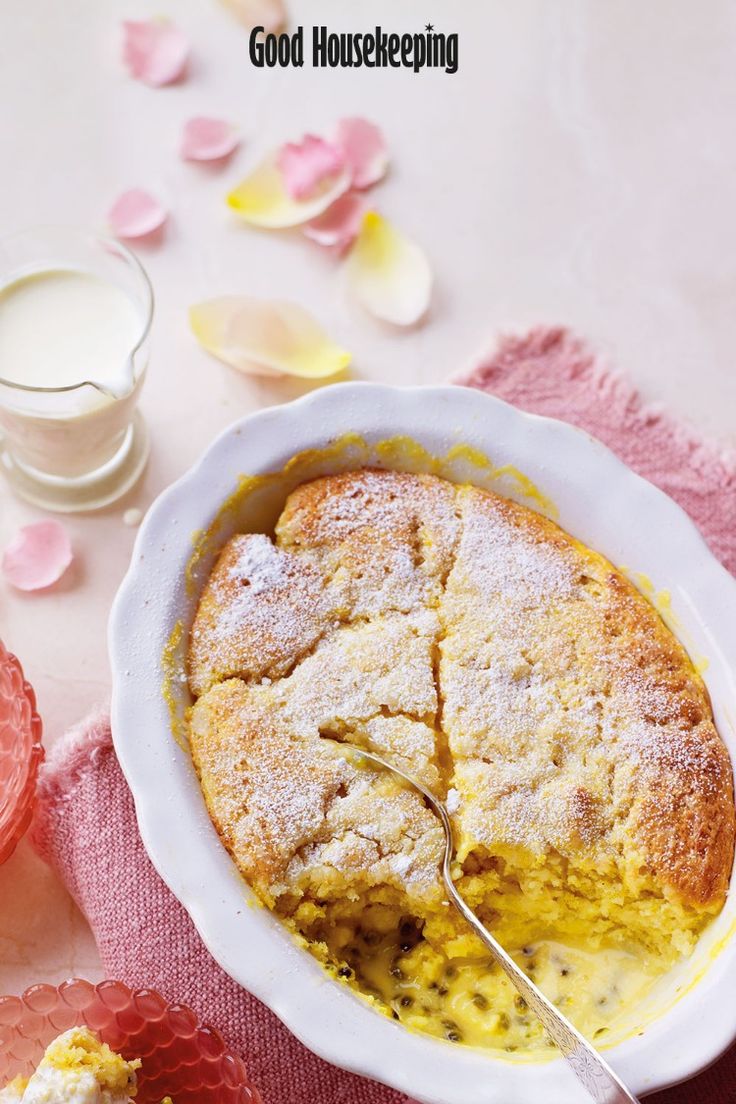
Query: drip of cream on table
[[62, 327]]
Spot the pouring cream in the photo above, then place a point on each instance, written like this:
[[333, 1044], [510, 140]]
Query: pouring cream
[[75, 315], [61, 327]]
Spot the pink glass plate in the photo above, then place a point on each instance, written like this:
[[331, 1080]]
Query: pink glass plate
[[181, 1058], [20, 752]]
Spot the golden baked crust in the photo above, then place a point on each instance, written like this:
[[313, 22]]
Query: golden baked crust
[[296, 816], [262, 609], [574, 716], [486, 649]]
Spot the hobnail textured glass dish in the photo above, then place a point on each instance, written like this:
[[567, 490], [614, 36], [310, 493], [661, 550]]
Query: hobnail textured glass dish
[[20, 752], [180, 1057]]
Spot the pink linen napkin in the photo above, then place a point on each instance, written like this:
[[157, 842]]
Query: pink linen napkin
[[552, 372], [85, 822]]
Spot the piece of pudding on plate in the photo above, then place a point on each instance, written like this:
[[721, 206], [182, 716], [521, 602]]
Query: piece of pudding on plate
[[77, 1069]]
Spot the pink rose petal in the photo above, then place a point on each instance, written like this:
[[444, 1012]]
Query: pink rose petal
[[206, 139], [338, 227], [135, 214], [155, 51], [306, 164], [365, 150], [37, 556]]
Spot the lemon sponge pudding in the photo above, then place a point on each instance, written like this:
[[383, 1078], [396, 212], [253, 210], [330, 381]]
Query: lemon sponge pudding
[[519, 675]]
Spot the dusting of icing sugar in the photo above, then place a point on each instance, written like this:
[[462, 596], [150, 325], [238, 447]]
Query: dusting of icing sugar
[[506, 559], [259, 565], [658, 750], [386, 501], [453, 801], [543, 714], [262, 610], [246, 614], [360, 672], [400, 864]]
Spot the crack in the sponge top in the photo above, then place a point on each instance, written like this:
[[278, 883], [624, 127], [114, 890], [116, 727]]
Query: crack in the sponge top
[[564, 714]]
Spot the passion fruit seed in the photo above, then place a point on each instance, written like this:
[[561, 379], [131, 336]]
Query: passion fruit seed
[[451, 1031]]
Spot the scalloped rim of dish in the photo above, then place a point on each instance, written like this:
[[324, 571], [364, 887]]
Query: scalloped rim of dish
[[601, 502]]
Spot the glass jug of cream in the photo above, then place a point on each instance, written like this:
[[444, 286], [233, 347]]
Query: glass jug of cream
[[75, 318]]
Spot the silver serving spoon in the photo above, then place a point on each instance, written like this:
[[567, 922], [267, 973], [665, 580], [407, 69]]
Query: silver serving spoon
[[594, 1074]]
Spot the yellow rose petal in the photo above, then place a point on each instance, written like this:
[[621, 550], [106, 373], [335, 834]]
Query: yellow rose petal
[[269, 14], [388, 273], [262, 199], [266, 338]]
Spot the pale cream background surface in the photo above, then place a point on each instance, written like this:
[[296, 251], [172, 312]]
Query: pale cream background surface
[[579, 168]]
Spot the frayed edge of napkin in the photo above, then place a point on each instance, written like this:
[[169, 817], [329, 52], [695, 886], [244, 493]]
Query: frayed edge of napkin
[[77, 752]]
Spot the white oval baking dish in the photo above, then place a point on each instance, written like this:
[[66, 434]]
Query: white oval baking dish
[[597, 499]]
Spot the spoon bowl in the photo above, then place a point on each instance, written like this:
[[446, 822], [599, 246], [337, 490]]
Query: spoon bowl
[[595, 1075]]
